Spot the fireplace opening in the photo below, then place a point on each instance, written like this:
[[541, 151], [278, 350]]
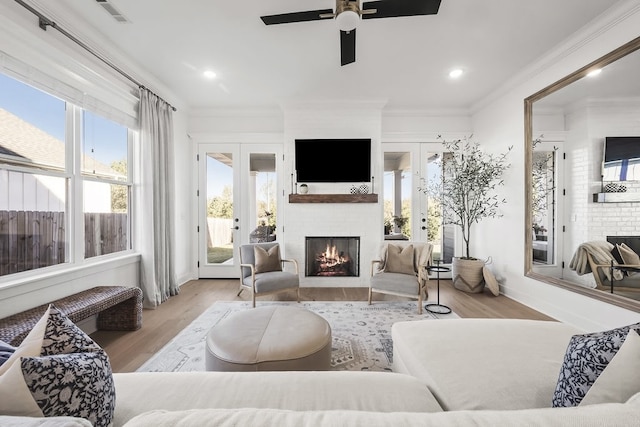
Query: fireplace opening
[[332, 256]]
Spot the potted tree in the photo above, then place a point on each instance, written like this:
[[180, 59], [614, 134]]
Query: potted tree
[[466, 193]]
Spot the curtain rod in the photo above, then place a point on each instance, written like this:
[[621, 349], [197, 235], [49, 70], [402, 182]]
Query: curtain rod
[[44, 22]]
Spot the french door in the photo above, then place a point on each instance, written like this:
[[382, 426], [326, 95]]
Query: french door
[[411, 211], [238, 197]]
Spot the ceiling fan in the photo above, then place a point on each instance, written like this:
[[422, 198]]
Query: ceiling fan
[[348, 13]]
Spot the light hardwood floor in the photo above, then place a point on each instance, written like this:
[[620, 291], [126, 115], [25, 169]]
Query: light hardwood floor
[[129, 350]]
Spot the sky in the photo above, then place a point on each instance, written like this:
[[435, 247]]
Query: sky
[[106, 138]]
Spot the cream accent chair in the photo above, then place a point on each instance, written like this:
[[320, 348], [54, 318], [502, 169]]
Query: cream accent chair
[[275, 279], [412, 282]]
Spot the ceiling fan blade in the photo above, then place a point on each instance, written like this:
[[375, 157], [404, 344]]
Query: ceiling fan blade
[[347, 47], [287, 18], [395, 8]]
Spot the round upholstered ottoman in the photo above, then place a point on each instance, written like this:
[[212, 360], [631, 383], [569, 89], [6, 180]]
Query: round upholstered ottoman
[[270, 338]]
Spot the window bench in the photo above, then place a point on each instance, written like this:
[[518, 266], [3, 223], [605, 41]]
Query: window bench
[[119, 308]]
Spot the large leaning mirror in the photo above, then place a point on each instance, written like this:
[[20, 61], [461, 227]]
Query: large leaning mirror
[[582, 180]]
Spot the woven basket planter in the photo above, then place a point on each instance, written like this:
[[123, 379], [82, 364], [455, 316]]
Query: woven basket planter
[[467, 275]]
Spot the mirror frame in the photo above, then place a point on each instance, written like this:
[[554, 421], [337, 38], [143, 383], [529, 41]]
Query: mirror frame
[[605, 60]]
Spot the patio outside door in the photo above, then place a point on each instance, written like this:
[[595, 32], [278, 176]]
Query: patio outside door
[[237, 203]]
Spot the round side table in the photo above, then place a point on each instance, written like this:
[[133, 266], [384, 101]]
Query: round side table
[[437, 307]]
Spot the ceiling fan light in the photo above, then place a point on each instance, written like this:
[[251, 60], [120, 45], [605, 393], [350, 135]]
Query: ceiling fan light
[[347, 20]]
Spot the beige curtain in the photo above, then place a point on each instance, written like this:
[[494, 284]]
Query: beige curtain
[[154, 224]]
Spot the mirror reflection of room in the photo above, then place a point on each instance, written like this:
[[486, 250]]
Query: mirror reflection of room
[[592, 221]]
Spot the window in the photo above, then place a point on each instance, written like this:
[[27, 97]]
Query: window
[[106, 187], [38, 181]]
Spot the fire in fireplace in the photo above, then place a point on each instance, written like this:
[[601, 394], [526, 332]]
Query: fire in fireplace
[[332, 256]]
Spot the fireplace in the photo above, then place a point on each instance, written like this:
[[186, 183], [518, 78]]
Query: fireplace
[[332, 256]]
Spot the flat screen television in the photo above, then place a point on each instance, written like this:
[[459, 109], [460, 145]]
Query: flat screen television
[[333, 160], [621, 158]]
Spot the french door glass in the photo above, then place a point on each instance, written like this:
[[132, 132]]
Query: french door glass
[[238, 203]]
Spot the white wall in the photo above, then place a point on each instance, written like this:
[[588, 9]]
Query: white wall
[[499, 122]]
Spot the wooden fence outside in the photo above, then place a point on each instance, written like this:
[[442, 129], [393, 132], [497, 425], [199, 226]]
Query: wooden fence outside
[[31, 239]]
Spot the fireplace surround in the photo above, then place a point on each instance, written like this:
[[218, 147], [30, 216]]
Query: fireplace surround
[[332, 256]]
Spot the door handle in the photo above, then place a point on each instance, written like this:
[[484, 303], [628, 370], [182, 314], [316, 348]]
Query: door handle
[[235, 228]]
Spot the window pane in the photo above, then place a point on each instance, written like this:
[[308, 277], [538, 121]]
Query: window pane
[[106, 218], [263, 181], [32, 221], [104, 147], [32, 125], [397, 195], [219, 208]]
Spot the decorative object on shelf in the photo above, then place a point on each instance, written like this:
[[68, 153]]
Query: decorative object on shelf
[[354, 190], [614, 187], [304, 188], [364, 189]]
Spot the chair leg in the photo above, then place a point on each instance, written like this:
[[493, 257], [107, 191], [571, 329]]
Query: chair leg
[[298, 294], [240, 291], [370, 296], [253, 299]]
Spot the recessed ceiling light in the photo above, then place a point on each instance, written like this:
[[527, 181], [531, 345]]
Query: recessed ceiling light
[[455, 73], [594, 73], [209, 74]]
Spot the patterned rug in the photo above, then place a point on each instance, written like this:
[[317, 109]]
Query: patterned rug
[[361, 334]]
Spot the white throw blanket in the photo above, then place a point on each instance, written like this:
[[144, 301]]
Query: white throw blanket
[[600, 251]]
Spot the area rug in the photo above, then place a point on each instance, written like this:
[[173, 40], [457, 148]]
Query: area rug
[[361, 334]]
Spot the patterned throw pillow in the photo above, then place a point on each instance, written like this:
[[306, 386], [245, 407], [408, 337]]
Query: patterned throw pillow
[[621, 379], [6, 350], [399, 260], [586, 357], [267, 260], [58, 370]]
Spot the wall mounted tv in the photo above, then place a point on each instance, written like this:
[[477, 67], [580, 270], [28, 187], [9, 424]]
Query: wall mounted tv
[[333, 160], [621, 158]]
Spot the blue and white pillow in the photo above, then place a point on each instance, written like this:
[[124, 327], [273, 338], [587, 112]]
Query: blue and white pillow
[[586, 357], [6, 351], [58, 370]]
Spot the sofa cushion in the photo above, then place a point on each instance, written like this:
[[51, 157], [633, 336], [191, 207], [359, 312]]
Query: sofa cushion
[[140, 392], [15, 421], [58, 371], [483, 363], [586, 356], [612, 414], [621, 378]]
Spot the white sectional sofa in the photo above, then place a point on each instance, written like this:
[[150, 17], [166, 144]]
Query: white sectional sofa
[[482, 372]]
